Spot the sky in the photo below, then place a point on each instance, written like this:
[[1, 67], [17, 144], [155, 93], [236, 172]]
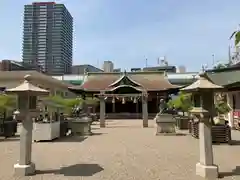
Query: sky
[[127, 32]]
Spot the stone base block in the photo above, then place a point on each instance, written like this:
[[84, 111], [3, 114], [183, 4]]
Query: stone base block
[[102, 125], [208, 172], [166, 127], [24, 170], [145, 125]]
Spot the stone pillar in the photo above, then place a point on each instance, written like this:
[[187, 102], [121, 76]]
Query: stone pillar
[[102, 112], [205, 168], [145, 110], [25, 167]]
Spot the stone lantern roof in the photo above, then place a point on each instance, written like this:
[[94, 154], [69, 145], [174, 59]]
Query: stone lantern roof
[[26, 86]]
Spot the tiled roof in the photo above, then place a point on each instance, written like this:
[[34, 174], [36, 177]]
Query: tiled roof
[[9, 75], [150, 81], [224, 78]]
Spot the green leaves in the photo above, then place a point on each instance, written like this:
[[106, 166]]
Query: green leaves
[[222, 107], [236, 35], [7, 102], [183, 102], [68, 103], [237, 38]]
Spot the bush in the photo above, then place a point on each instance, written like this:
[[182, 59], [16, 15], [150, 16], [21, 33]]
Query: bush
[[222, 107], [182, 102]]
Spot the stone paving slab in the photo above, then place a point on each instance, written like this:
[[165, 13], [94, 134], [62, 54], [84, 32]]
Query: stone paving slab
[[122, 151]]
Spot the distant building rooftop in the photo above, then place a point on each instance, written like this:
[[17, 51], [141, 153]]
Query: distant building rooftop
[[81, 69], [161, 68]]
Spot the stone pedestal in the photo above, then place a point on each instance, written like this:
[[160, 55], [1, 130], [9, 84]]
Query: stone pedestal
[[102, 112], [205, 168], [145, 110], [25, 167], [81, 127], [24, 170], [165, 124], [208, 172]]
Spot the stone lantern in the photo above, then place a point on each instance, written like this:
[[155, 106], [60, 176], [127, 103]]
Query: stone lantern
[[203, 95], [27, 105]]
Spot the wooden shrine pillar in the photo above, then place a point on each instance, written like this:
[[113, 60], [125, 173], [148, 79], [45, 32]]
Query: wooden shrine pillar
[[145, 109], [102, 111]]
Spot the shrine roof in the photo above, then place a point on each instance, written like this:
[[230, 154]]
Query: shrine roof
[[149, 81], [224, 78]]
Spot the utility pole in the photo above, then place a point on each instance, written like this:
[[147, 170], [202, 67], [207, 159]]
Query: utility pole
[[229, 55], [213, 60]]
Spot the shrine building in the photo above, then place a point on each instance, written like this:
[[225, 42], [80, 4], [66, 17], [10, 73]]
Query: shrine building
[[126, 94]]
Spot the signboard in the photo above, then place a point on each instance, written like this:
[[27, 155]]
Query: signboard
[[236, 113]]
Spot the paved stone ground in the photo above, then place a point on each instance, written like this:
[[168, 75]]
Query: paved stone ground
[[122, 151]]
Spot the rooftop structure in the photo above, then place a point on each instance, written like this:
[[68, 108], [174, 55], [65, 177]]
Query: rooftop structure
[[85, 68], [161, 68]]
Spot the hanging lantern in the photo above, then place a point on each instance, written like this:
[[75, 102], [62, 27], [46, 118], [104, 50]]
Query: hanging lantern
[[113, 100], [123, 100], [105, 98], [131, 98], [135, 100]]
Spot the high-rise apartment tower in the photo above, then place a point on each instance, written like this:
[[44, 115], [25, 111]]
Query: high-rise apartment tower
[[48, 37]]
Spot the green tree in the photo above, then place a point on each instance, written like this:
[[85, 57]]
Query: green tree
[[182, 102], [53, 102], [221, 105], [236, 36], [91, 101], [7, 104], [69, 103]]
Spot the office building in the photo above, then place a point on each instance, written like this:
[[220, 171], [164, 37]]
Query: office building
[[108, 66], [11, 65], [48, 37]]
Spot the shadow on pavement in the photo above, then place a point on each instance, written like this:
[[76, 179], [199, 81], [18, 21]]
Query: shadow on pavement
[[235, 172], [97, 133], [234, 142], [70, 139], [9, 139], [75, 170]]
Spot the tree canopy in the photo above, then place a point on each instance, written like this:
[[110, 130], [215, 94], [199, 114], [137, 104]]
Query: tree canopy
[[182, 102], [236, 35], [7, 102]]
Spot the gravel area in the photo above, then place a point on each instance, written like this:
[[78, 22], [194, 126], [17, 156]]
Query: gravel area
[[122, 151]]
